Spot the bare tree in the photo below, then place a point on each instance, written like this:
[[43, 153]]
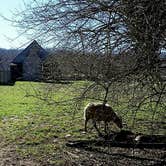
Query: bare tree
[[116, 45]]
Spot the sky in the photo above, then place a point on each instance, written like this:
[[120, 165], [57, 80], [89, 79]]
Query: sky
[[8, 33]]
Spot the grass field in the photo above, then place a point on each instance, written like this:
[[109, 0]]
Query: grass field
[[35, 126], [39, 127]]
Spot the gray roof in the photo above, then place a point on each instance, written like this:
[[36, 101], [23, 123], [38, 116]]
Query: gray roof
[[42, 53]]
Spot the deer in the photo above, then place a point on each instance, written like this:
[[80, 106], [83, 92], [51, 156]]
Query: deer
[[101, 112]]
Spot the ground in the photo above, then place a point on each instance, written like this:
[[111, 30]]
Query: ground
[[9, 157], [36, 132], [91, 156], [120, 157]]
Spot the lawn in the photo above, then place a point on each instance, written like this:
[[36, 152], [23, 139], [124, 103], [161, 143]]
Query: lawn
[[40, 126]]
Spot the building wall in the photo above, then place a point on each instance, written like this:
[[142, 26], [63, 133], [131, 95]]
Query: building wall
[[5, 77], [32, 66]]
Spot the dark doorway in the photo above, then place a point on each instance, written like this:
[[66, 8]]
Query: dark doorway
[[16, 71]]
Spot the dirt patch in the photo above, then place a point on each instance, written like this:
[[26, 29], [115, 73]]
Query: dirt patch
[[9, 157], [112, 156], [120, 149], [92, 156]]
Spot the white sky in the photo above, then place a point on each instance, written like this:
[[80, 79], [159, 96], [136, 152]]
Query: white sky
[[8, 33]]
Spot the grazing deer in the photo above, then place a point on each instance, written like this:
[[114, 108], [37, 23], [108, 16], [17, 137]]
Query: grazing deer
[[101, 112]]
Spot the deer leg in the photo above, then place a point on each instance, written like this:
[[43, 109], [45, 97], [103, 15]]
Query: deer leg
[[86, 121], [95, 126], [105, 127]]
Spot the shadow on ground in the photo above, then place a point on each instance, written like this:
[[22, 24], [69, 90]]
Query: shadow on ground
[[123, 148]]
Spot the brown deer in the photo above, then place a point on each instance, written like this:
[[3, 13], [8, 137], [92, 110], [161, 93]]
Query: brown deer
[[101, 112]]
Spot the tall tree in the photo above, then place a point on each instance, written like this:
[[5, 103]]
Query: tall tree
[[134, 30]]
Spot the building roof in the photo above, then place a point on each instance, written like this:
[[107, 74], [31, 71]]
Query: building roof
[[42, 53]]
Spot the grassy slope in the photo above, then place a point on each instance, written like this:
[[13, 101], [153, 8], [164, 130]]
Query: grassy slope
[[37, 128]]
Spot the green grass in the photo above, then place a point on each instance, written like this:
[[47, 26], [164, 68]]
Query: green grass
[[37, 127], [40, 128]]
